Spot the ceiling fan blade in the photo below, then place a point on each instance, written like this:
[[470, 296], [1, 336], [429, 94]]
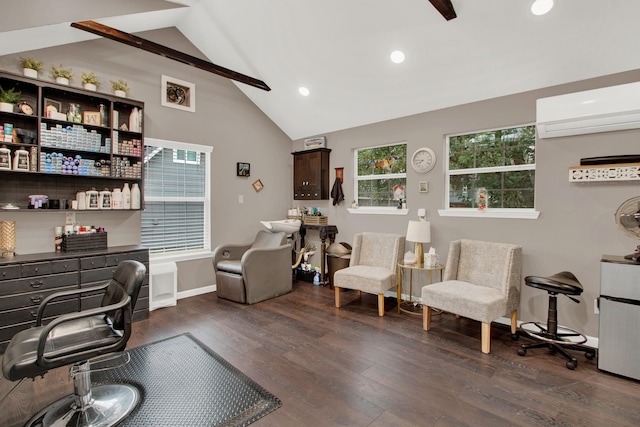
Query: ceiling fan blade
[[149, 46], [445, 8]]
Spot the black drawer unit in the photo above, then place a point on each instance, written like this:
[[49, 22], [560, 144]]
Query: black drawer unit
[[25, 280]]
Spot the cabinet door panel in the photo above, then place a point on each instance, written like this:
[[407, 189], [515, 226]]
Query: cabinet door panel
[[28, 314], [9, 272], [36, 269], [39, 284], [29, 299], [93, 262], [96, 276], [64, 266]]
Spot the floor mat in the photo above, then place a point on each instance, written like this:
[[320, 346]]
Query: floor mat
[[185, 383]]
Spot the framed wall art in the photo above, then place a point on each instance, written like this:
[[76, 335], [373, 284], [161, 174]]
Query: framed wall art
[[243, 169], [257, 185], [423, 186], [176, 93]]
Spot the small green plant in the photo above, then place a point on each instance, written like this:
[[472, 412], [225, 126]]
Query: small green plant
[[60, 71], [10, 96], [31, 63], [119, 85], [90, 78]]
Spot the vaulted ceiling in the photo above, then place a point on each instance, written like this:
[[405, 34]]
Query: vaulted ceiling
[[339, 49]]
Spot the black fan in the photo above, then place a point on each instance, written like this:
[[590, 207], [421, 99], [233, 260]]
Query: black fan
[[628, 219]]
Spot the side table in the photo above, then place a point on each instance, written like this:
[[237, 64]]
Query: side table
[[410, 306]]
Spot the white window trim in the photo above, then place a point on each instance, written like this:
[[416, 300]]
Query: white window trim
[[382, 210], [513, 213], [207, 150]]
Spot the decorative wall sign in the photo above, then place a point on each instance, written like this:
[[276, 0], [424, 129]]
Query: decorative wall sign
[[176, 93], [318, 142], [243, 169], [92, 118]]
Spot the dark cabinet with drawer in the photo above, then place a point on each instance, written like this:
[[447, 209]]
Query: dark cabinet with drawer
[[311, 174], [27, 279]]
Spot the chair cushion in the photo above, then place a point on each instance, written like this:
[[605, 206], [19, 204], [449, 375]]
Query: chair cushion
[[365, 278], [479, 303], [230, 266], [65, 340]]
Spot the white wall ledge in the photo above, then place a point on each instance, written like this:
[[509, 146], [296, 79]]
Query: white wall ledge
[[377, 211], [490, 213]]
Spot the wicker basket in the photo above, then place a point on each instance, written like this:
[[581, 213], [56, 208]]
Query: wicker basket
[[316, 220], [84, 242]]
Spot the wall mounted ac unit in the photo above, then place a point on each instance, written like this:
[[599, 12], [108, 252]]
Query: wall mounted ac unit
[[598, 110]]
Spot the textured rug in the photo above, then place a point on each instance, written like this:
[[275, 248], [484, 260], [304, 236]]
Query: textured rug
[[185, 383]]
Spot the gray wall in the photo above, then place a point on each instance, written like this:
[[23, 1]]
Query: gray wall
[[224, 119], [575, 226]]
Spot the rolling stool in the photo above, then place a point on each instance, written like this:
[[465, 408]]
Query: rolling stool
[[561, 283]]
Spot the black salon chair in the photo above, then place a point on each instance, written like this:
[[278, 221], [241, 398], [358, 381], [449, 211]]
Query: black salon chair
[[547, 335], [75, 338]]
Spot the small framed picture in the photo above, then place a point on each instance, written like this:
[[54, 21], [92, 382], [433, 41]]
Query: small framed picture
[[243, 169], [423, 186], [92, 118], [51, 106], [257, 185]]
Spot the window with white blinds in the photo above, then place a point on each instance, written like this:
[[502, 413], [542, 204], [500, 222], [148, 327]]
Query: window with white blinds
[[176, 194]]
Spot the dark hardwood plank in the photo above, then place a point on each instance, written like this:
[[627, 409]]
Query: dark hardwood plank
[[349, 367]]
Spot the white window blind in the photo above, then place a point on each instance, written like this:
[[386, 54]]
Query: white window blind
[[177, 198]]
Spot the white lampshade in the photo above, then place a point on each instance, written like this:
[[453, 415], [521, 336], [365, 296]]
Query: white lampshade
[[419, 231]]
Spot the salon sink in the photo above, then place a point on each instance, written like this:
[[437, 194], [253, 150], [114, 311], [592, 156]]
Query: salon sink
[[289, 226]]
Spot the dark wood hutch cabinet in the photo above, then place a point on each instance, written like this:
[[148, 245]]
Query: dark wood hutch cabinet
[[311, 174]]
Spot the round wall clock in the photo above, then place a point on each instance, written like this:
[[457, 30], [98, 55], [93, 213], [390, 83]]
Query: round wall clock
[[423, 160]]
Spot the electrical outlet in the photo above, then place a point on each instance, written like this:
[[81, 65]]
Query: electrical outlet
[[240, 198], [70, 218], [596, 308]]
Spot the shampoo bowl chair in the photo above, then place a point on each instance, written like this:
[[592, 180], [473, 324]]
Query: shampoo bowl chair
[[75, 338], [481, 282], [256, 272]]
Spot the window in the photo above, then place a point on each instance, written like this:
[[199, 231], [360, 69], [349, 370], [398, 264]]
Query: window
[[177, 197], [492, 171], [381, 176]]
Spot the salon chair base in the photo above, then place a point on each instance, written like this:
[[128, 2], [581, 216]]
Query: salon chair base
[[99, 406]]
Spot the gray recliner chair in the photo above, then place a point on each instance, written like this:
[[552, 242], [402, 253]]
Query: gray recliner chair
[[255, 272]]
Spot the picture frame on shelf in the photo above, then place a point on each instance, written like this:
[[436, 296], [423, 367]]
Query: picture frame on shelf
[[178, 94], [243, 169], [423, 186], [52, 106], [258, 185], [93, 118]]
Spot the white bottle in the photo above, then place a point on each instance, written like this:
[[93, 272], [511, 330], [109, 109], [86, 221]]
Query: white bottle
[[105, 199], [116, 199], [134, 119], [5, 157], [126, 196], [135, 196], [21, 160], [93, 199]]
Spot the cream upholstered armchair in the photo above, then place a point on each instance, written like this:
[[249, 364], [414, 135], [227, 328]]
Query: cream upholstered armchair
[[254, 272], [372, 267], [481, 282]]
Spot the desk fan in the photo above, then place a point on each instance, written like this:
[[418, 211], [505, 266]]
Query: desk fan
[[628, 219]]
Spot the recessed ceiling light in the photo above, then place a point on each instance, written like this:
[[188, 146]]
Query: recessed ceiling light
[[540, 7], [304, 91], [397, 56]]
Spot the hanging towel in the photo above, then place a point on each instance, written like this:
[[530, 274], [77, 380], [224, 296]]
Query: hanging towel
[[336, 192]]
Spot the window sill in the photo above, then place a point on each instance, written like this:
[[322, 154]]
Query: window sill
[[377, 211], [178, 257], [490, 213]]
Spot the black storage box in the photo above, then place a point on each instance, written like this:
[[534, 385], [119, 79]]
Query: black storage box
[[84, 242], [305, 276]]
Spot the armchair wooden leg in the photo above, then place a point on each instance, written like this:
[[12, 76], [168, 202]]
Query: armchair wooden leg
[[381, 305], [514, 321], [486, 337], [336, 290], [426, 318]]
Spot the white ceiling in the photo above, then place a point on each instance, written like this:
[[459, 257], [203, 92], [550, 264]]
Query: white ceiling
[[340, 49]]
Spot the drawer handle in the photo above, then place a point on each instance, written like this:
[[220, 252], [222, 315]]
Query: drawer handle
[[36, 284], [36, 299], [33, 313]]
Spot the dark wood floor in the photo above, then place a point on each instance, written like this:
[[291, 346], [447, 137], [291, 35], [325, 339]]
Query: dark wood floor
[[349, 367]]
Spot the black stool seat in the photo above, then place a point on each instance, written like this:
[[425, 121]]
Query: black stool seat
[[561, 283], [548, 335]]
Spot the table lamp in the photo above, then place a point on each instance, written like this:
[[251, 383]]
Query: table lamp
[[419, 232]]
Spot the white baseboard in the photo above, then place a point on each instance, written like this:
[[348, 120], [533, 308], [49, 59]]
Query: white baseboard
[[197, 291]]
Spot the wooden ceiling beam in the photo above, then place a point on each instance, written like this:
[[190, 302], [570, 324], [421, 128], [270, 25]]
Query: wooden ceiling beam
[[149, 46], [445, 8]]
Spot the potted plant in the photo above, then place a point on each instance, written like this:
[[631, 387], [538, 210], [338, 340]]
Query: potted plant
[[120, 87], [90, 81], [61, 74], [31, 67], [8, 99]]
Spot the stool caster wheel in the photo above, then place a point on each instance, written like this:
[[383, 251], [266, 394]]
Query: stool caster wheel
[[522, 351], [590, 355], [572, 364], [515, 337]]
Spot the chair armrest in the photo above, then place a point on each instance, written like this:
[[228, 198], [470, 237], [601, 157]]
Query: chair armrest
[[124, 303], [60, 294], [267, 272], [226, 252]]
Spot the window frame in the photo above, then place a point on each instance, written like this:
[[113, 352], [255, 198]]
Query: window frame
[[515, 213], [377, 210], [186, 255]]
